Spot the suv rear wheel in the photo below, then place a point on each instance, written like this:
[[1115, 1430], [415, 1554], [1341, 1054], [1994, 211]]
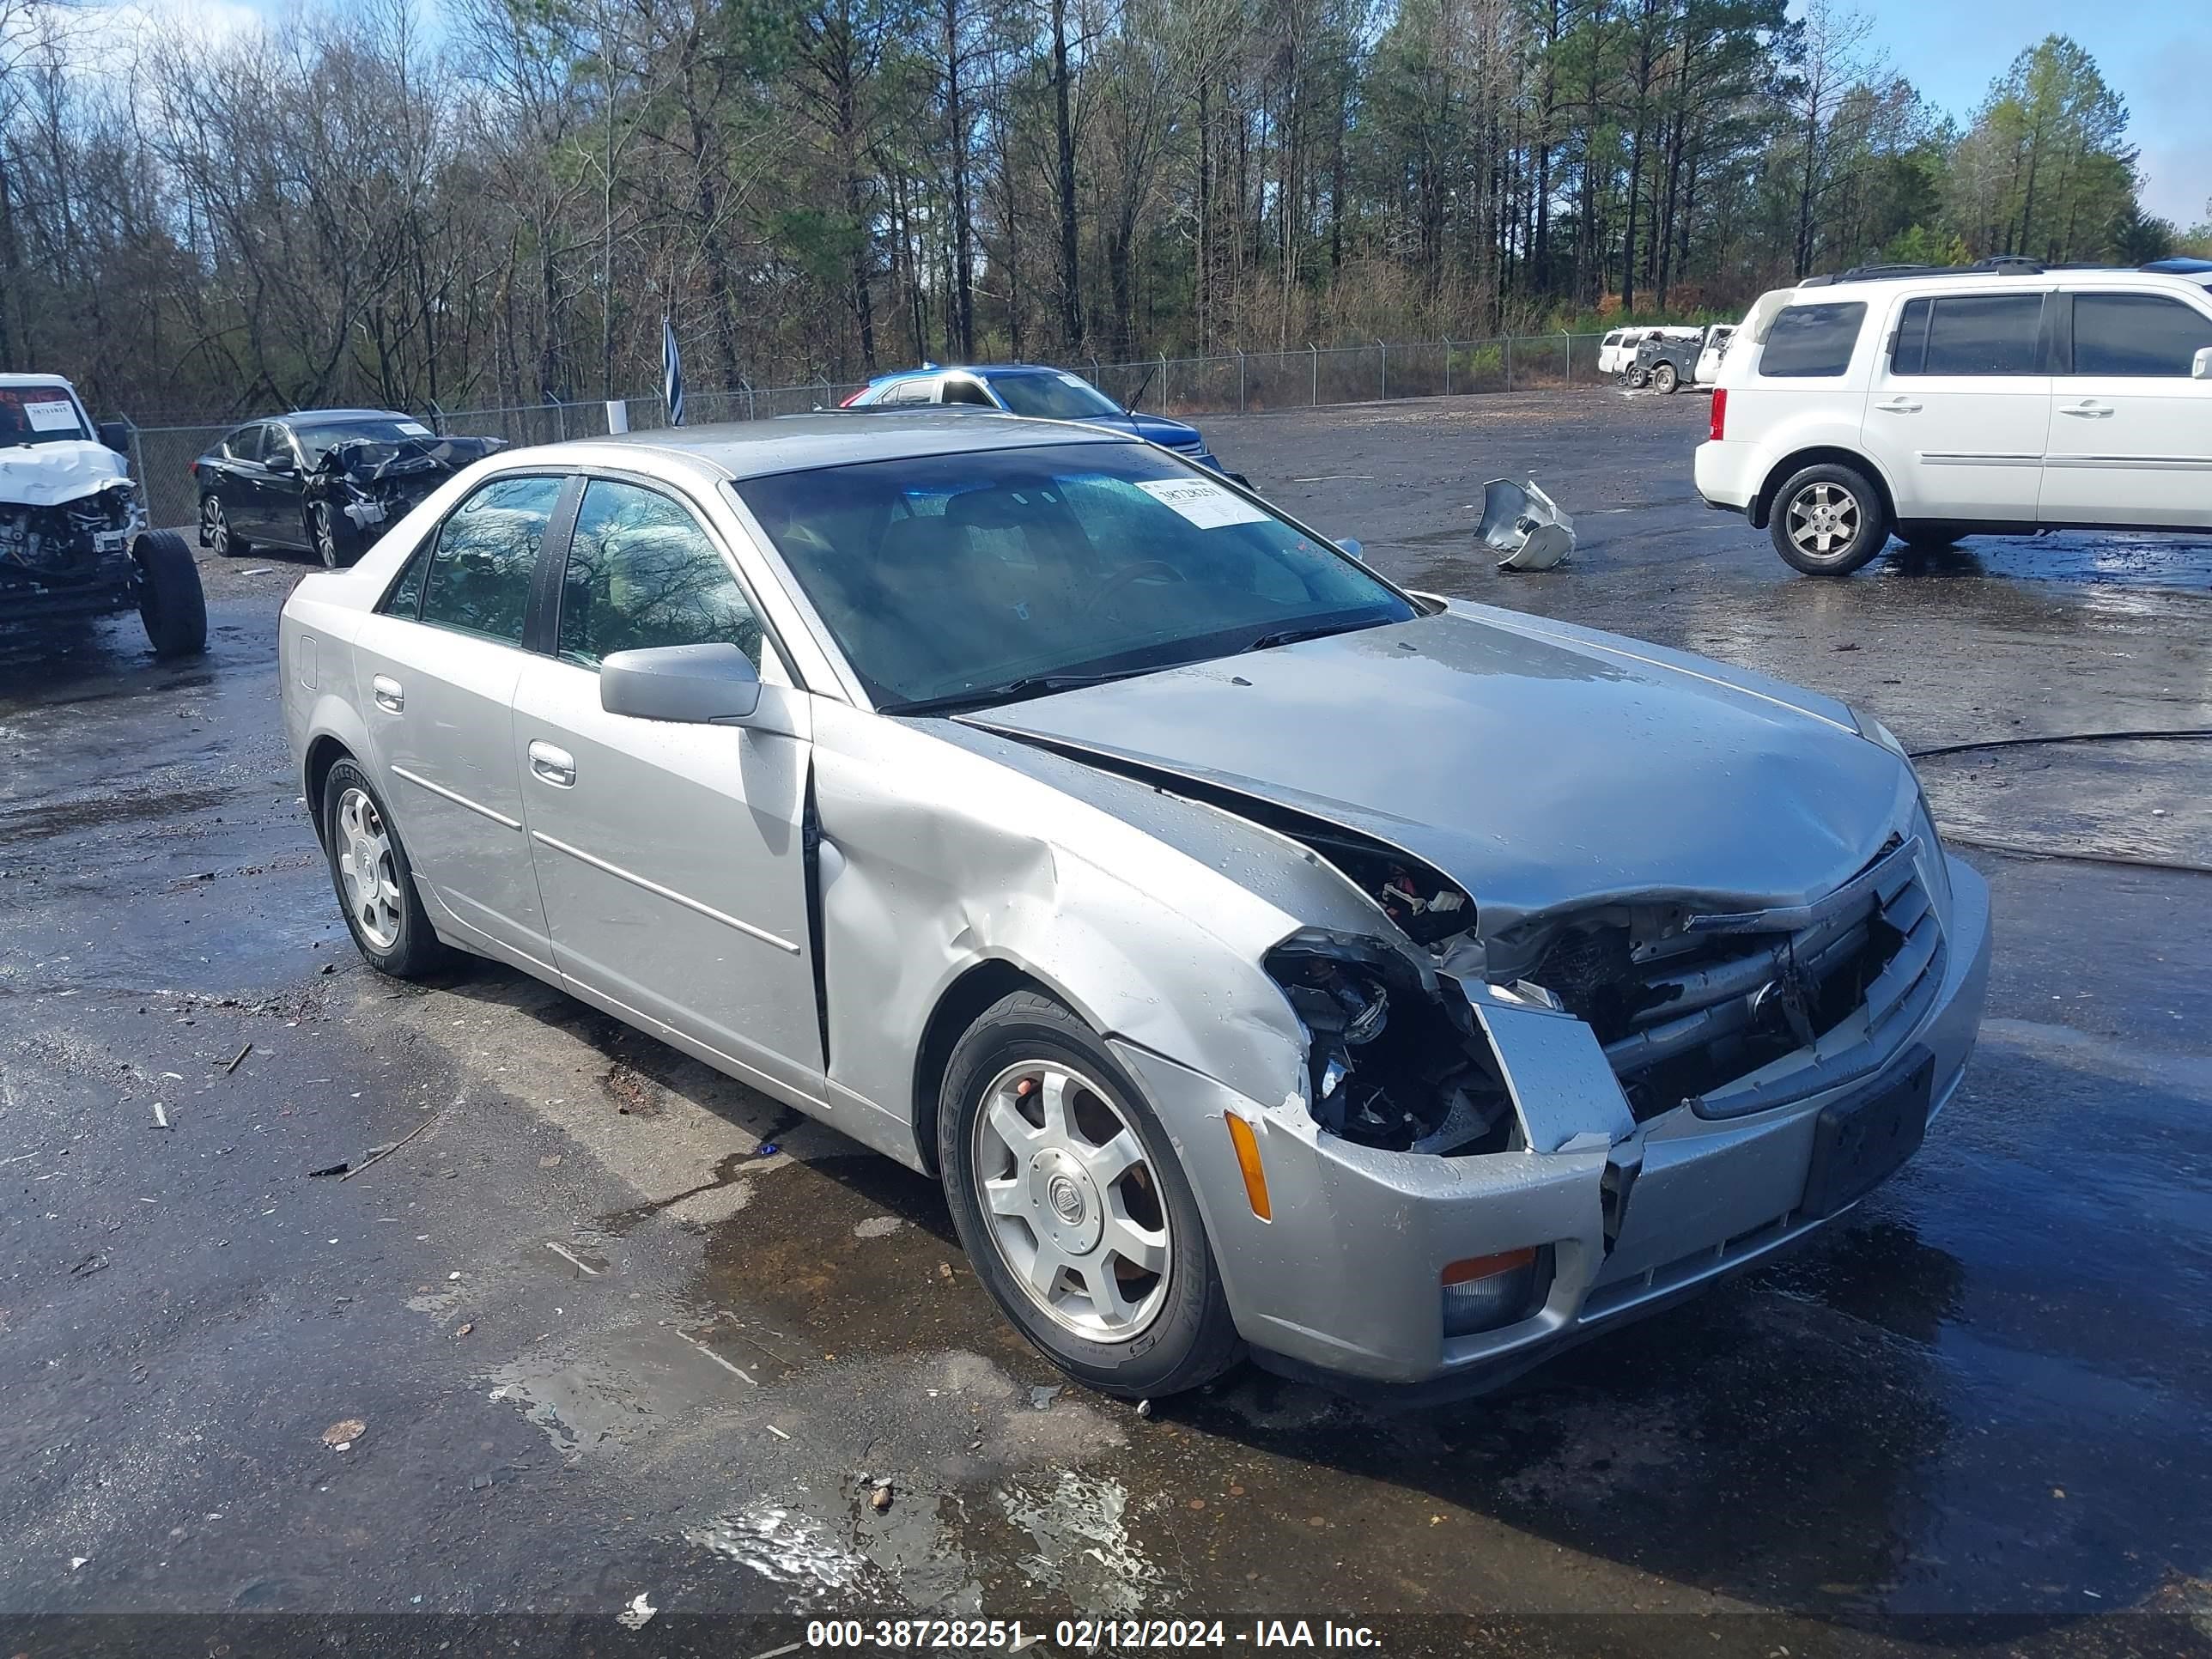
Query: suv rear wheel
[[1666, 377], [1828, 520]]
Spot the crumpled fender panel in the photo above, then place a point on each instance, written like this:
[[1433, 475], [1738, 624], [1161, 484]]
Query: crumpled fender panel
[[943, 850]]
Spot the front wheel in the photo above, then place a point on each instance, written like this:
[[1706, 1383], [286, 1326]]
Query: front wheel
[[171, 602], [1074, 1211], [1828, 520], [322, 535], [1667, 378]]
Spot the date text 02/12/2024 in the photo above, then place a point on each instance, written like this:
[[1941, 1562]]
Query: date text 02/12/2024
[[1086, 1635]]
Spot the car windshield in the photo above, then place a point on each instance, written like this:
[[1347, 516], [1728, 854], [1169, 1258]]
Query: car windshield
[[39, 415], [994, 574], [317, 441], [1053, 396]]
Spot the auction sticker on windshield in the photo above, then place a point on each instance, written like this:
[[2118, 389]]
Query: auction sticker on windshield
[[415, 428], [1207, 504], [54, 415]]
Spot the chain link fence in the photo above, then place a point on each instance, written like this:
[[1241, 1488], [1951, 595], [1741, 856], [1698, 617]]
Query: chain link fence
[[1237, 383]]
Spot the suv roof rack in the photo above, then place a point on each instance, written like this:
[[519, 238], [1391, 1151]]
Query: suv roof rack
[[2008, 264]]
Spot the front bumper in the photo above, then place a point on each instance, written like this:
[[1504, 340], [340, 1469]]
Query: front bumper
[[1345, 1280]]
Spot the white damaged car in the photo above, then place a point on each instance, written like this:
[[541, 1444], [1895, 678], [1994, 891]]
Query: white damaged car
[[74, 541]]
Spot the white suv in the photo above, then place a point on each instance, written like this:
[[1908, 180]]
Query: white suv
[[1940, 403]]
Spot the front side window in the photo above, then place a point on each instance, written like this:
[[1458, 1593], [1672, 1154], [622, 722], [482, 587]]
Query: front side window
[[38, 414], [642, 573], [245, 444], [486, 554], [978, 577], [2137, 335], [1975, 334], [1812, 342], [276, 444]]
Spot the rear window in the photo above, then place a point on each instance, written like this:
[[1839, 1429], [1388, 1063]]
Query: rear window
[[2137, 335], [1979, 334], [1812, 342]]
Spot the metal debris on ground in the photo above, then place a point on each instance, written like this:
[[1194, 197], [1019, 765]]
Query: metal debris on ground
[[328, 1169], [236, 1058], [777, 1432], [1144, 1408], [160, 1117], [341, 1435], [1525, 524], [638, 1614]]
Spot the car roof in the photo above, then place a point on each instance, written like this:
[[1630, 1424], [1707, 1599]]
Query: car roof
[[332, 415], [801, 443], [35, 379], [1946, 282], [979, 369]]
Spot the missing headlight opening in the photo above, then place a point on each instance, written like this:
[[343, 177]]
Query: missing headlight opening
[[1393, 1061]]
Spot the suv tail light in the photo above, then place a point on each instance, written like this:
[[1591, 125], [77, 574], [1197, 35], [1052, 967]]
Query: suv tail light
[[1720, 415]]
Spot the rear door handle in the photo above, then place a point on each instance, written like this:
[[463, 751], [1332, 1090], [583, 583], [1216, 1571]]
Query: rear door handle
[[556, 766], [2088, 408], [389, 698], [1899, 406]]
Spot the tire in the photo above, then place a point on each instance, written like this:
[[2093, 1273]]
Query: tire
[[324, 537], [171, 602], [1177, 1333], [1667, 378], [216, 534], [388, 924], [1828, 520]]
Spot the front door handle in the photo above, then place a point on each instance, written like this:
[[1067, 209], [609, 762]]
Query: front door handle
[[389, 698], [556, 766], [1899, 406], [2088, 408]]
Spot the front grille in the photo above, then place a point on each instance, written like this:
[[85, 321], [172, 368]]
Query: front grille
[[1735, 1014]]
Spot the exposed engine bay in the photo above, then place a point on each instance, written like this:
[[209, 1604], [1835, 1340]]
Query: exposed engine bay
[[1684, 1003], [84, 542], [372, 482]]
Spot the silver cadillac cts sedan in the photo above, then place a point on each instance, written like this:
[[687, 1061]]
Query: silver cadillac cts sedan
[[1263, 957]]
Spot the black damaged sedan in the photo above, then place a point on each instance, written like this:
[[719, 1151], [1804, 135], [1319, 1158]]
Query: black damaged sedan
[[323, 480]]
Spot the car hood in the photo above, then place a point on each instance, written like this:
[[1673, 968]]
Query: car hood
[[1537, 765], [1153, 428], [47, 475]]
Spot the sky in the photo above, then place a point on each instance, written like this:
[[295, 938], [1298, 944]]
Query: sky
[[2156, 54]]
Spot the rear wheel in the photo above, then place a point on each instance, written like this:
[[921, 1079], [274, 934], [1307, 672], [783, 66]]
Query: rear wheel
[[1667, 378], [216, 534], [375, 883], [1074, 1211], [1828, 520], [171, 602]]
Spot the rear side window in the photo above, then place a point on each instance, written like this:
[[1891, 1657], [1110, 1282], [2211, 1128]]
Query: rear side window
[[2137, 335], [1812, 342], [1979, 334], [642, 573], [480, 571]]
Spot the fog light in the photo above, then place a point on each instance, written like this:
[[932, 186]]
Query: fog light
[[1486, 1292]]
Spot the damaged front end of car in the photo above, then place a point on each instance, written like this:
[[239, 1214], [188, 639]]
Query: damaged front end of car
[[70, 558], [370, 484]]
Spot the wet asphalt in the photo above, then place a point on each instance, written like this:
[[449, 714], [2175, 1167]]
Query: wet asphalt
[[609, 1323]]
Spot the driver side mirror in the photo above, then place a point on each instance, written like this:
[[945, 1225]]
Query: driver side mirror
[[2202, 369], [115, 435], [1353, 548], [689, 684]]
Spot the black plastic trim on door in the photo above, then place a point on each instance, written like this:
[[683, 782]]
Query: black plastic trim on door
[[540, 620]]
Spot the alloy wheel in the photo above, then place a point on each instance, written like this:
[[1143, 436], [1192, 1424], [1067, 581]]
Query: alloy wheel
[[1070, 1201], [366, 866], [214, 529], [324, 534], [1824, 520]]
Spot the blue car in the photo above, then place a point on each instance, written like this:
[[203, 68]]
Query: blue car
[[1029, 389]]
